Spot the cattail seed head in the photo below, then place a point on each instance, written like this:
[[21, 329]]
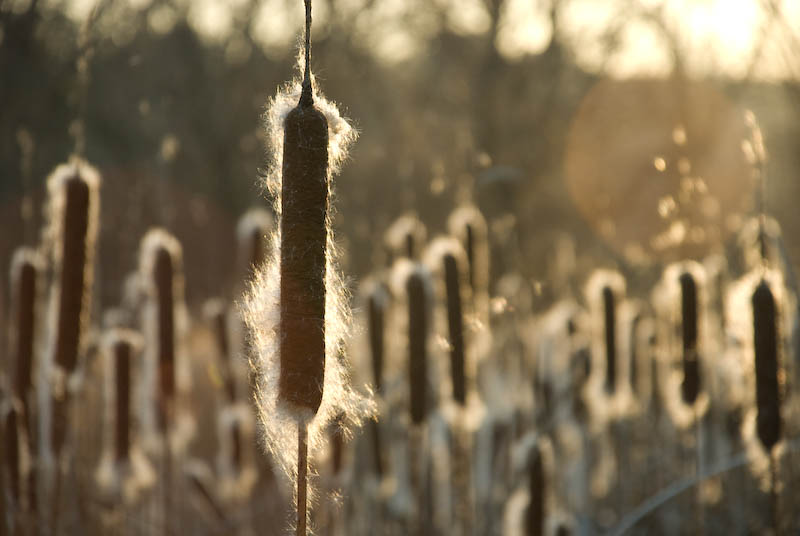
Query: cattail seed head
[[376, 310], [405, 238], [74, 206], [455, 322], [535, 512], [418, 309], [252, 231], [25, 267], [610, 338], [690, 387], [285, 396], [767, 366], [11, 448], [468, 225]]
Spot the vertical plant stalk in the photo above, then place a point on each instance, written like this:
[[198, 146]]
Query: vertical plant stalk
[[302, 478], [535, 512], [417, 339]]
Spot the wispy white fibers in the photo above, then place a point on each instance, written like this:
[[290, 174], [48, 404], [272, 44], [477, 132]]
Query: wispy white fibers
[[261, 307]]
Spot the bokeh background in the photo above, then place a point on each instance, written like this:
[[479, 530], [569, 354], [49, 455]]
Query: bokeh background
[[608, 130]]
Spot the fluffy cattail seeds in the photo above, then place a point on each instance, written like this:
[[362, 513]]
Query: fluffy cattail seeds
[[417, 345], [690, 387], [455, 323], [765, 342]]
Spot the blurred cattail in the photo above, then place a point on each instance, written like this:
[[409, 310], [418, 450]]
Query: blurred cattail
[[469, 227], [25, 267], [535, 511], [634, 354], [690, 387], [217, 315], [376, 310], [74, 209], [121, 350], [123, 471], [610, 339], [252, 231], [455, 323], [161, 272], [405, 238], [767, 366], [418, 327], [11, 426]]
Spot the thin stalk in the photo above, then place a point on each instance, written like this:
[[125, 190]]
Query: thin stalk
[[302, 478]]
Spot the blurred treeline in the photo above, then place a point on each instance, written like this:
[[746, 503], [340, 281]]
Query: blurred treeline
[[173, 121]]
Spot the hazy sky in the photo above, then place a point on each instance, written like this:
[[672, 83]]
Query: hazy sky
[[714, 37]]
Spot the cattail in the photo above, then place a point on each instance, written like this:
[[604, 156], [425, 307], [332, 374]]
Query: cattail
[[25, 267], [121, 350], [377, 302], [610, 338], [405, 238], [417, 345], [690, 387], [304, 235], [633, 338], [765, 343], [216, 313], [295, 310], [455, 323], [73, 188], [160, 267], [469, 227], [252, 231], [535, 511]]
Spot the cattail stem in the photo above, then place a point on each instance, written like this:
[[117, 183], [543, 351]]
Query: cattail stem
[[302, 478], [774, 506]]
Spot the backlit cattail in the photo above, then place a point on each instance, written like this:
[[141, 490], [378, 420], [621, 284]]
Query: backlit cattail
[[469, 227], [25, 267], [455, 322], [124, 470], [610, 339], [252, 232], [535, 511], [418, 326], [295, 311], [166, 375], [73, 208], [767, 366], [405, 238], [690, 386], [376, 311]]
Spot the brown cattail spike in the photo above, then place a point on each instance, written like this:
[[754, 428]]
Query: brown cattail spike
[[765, 341], [73, 270], [163, 274], [690, 387], [610, 327], [417, 338], [304, 235], [24, 289], [535, 512], [377, 311], [455, 322], [122, 380]]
